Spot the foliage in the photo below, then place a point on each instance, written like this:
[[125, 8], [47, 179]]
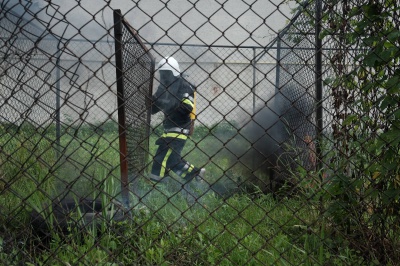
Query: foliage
[[365, 189]]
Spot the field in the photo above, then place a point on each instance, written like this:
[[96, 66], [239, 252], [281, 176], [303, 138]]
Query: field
[[242, 229]]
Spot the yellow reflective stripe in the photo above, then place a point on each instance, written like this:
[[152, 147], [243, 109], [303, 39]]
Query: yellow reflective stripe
[[193, 113], [191, 167], [188, 102], [164, 163], [174, 135]]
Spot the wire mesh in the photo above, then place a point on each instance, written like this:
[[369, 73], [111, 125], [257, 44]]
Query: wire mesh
[[296, 126], [26, 72], [135, 68], [296, 84]]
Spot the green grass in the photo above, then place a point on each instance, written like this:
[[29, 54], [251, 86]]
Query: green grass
[[245, 229], [238, 231]]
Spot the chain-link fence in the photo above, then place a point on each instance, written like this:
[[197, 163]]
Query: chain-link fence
[[296, 125]]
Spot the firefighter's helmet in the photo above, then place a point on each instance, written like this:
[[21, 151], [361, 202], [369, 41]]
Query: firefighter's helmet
[[169, 63]]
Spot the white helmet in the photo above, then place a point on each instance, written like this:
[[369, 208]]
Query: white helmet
[[169, 63]]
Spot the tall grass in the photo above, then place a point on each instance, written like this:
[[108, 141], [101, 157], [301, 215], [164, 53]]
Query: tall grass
[[26, 161], [163, 229]]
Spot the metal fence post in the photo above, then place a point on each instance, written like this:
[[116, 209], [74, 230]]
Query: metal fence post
[[318, 80], [58, 103], [253, 62], [278, 66]]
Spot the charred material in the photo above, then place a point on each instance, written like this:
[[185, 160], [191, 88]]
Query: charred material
[[72, 216]]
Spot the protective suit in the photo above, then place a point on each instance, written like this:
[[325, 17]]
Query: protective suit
[[175, 98]]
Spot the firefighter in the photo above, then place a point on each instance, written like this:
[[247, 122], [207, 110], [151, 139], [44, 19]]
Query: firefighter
[[175, 98]]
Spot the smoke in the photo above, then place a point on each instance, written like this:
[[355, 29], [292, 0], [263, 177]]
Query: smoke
[[261, 144], [258, 143], [268, 142]]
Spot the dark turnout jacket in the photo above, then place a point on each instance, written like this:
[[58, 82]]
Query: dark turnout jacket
[[176, 102]]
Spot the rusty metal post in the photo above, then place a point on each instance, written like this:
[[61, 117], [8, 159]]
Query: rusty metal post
[[121, 107]]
